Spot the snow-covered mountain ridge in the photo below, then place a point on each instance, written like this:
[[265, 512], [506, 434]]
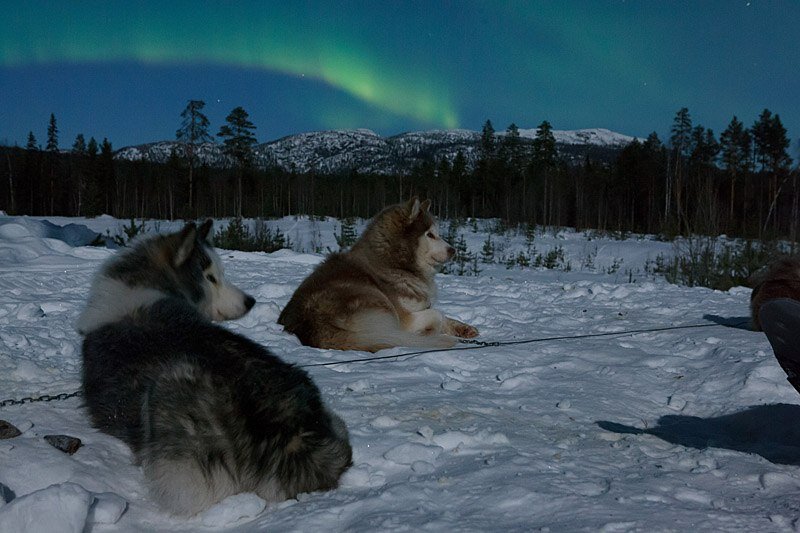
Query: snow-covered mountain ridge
[[364, 151]]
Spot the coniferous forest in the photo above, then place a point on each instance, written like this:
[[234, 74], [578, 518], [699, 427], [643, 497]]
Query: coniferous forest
[[741, 183]]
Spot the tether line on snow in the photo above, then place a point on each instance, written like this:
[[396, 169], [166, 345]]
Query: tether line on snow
[[477, 345], [471, 345]]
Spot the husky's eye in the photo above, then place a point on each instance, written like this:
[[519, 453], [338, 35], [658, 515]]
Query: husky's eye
[[211, 278], [431, 235]]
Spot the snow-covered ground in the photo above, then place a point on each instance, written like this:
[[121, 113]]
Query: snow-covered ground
[[527, 437]]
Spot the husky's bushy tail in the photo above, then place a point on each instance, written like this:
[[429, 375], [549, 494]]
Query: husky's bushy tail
[[203, 440], [377, 330]]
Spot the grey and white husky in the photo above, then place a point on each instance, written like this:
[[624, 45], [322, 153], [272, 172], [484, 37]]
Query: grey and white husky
[[208, 413]]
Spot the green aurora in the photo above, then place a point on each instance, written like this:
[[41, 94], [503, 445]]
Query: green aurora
[[252, 35], [392, 66]]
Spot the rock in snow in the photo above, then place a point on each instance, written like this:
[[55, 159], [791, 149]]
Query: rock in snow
[[65, 443], [6, 495], [8, 430]]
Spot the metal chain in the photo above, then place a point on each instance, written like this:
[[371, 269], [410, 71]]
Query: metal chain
[[42, 398], [480, 343]]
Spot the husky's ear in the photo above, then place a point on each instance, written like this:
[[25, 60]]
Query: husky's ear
[[425, 206], [413, 208], [186, 241], [205, 230]]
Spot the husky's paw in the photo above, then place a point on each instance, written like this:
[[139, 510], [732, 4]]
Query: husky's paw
[[465, 331], [461, 330]]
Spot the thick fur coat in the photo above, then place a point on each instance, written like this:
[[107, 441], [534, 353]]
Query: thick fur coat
[[207, 412], [380, 293]]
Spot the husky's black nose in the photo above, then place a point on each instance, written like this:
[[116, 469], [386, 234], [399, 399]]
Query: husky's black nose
[[450, 251], [249, 302]]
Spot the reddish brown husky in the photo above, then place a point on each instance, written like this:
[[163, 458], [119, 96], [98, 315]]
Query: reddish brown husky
[[380, 293]]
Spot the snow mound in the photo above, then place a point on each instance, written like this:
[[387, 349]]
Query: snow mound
[[236, 508], [66, 507], [14, 228], [24, 239]]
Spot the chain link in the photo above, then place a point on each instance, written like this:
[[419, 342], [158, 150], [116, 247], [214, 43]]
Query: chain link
[[480, 343], [42, 398]]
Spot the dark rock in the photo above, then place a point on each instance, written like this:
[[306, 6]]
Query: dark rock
[[64, 443], [8, 431], [6, 494]]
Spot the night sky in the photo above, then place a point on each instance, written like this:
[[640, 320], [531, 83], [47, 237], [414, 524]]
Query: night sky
[[125, 70]]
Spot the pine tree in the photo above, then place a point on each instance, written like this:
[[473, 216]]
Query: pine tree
[[78, 158], [771, 145], [238, 137], [459, 182], [347, 234], [79, 146], [12, 208], [770, 142], [681, 132], [511, 166], [704, 151], [530, 235], [193, 131], [94, 203], [238, 143], [511, 148], [107, 175], [235, 236], [654, 167], [704, 147], [462, 257], [735, 147], [170, 182], [485, 168], [487, 252], [761, 138], [52, 134], [544, 161], [544, 145], [442, 180], [523, 260], [31, 144], [474, 269], [31, 175], [680, 139], [52, 161], [487, 140]]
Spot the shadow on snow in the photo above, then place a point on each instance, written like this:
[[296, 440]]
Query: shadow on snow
[[771, 431], [736, 322]]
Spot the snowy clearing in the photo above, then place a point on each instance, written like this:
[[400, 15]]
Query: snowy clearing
[[527, 437]]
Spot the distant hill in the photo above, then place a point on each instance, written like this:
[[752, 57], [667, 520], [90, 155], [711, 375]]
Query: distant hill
[[364, 151]]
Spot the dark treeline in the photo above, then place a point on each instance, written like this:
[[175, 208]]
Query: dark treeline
[[741, 183]]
